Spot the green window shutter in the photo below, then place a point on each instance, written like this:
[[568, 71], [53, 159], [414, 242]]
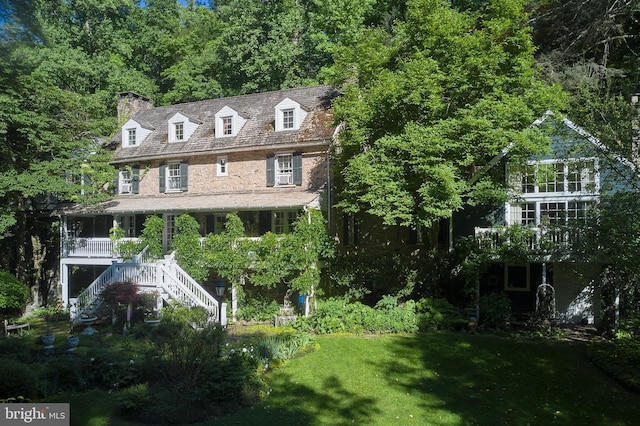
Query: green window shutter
[[135, 179], [271, 170], [184, 176], [162, 172], [297, 168]]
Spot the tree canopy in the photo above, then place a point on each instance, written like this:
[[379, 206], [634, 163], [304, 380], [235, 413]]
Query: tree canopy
[[432, 100]]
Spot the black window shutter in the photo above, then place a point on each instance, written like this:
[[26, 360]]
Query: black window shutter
[[162, 172], [135, 179], [116, 185], [297, 168], [184, 176], [271, 170]]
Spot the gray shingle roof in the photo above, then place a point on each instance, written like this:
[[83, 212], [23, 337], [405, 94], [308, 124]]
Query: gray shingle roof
[[257, 132]]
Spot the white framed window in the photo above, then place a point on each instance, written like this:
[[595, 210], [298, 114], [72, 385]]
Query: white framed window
[[128, 225], [283, 221], [284, 169], [125, 184], [227, 126], [517, 277], [556, 177], [173, 177], [180, 128], [287, 119], [131, 137], [554, 213], [289, 115], [178, 131], [222, 166], [228, 122], [134, 133]]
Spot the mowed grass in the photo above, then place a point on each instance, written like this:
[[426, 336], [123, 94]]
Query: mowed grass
[[442, 379], [430, 379]]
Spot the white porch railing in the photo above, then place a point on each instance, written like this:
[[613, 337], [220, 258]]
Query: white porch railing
[[164, 275], [91, 247], [537, 239]]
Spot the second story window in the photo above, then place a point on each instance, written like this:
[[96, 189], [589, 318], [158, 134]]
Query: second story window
[[222, 166], [173, 177], [284, 169], [125, 182], [128, 181], [131, 137]]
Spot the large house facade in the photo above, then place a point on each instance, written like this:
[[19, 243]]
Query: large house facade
[[264, 156]]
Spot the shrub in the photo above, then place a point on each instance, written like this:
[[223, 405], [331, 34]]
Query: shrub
[[337, 315], [258, 309], [494, 309], [13, 294], [438, 314], [52, 313], [17, 380], [121, 292], [134, 398]]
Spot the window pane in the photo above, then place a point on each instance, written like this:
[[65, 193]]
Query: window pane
[[284, 169], [132, 136], [227, 128], [551, 177], [173, 176], [553, 213], [287, 119], [581, 176], [179, 131]]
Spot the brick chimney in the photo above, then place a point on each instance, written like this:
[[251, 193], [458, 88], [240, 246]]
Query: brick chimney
[[129, 104]]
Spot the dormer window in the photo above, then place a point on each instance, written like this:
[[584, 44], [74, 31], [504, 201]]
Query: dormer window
[[229, 122], [134, 133], [287, 119], [179, 131], [289, 115], [131, 137], [227, 126], [181, 127]]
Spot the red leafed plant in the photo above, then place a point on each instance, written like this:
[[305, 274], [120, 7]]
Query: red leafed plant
[[120, 292]]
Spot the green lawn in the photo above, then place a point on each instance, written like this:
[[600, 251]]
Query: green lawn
[[431, 379], [442, 379]]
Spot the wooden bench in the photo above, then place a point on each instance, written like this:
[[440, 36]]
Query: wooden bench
[[15, 327]]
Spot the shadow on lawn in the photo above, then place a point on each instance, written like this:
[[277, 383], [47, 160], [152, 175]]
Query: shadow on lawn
[[302, 405], [487, 380]]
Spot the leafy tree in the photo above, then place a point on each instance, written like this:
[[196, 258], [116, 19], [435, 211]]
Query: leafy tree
[[189, 251], [424, 106]]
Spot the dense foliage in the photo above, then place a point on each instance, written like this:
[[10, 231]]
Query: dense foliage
[[13, 294], [424, 105]]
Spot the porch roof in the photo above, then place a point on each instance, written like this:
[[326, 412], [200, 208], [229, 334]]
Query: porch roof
[[196, 202]]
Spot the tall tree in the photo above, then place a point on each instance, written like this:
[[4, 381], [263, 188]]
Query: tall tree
[[427, 103]]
